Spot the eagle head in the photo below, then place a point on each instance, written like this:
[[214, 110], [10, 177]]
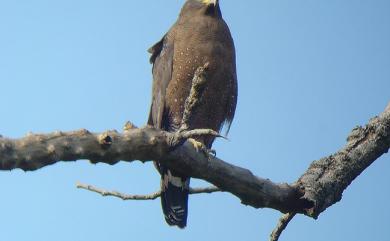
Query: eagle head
[[201, 7]]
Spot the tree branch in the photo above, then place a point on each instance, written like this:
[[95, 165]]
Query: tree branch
[[282, 225], [152, 196], [193, 99], [318, 188], [36, 151], [326, 179]]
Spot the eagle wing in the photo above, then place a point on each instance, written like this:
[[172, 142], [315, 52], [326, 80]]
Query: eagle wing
[[162, 60], [232, 103]]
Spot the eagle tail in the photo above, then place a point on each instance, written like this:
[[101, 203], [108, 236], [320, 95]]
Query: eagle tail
[[174, 198]]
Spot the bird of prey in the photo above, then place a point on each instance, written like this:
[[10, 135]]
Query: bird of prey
[[199, 36]]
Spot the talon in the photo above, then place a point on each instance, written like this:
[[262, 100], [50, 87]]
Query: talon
[[212, 152], [199, 146]]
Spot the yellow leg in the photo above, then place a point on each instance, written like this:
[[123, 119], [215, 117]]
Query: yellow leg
[[199, 146]]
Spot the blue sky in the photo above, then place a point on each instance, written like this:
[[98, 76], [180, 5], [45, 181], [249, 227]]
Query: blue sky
[[308, 71]]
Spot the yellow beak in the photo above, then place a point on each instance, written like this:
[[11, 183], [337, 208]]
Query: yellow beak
[[214, 2]]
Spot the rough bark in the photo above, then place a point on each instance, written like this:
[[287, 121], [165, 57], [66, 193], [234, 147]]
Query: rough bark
[[319, 187], [37, 150], [326, 179]]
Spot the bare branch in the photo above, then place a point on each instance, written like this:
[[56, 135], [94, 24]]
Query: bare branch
[[190, 105], [152, 196], [118, 194], [199, 132], [320, 187], [282, 224], [36, 151], [326, 179], [193, 99], [207, 190]]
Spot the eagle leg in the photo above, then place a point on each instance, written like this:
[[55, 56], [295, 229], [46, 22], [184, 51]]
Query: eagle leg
[[200, 147], [179, 137]]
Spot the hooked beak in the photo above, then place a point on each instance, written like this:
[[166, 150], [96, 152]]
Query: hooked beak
[[214, 2]]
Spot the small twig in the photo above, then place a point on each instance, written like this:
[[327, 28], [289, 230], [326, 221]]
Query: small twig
[[152, 196], [207, 190], [192, 102], [193, 99], [118, 194], [282, 224], [182, 135], [200, 132]]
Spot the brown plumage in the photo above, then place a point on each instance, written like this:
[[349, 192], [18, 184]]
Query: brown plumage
[[200, 35]]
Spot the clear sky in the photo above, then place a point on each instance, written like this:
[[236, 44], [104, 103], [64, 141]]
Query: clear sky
[[308, 71]]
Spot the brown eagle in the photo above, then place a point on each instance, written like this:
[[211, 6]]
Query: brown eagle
[[199, 36]]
